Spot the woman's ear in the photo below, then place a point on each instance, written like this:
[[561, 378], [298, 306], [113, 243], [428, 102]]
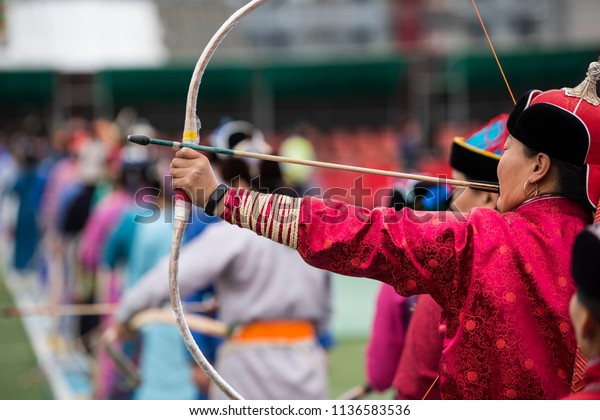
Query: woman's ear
[[589, 325], [541, 166]]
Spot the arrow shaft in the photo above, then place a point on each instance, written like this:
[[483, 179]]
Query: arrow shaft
[[328, 165]]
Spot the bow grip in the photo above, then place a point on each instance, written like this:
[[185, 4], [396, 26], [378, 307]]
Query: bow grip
[[181, 195], [183, 202]]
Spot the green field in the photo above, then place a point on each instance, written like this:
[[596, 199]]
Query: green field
[[20, 379]]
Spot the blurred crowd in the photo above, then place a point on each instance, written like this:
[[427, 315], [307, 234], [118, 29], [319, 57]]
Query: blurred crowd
[[91, 223], [91, 216], [72, 190]]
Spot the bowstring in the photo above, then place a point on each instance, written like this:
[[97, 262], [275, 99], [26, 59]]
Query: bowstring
[[493, 51]]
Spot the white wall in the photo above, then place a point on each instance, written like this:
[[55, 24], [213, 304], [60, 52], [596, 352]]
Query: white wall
[[82, 35]]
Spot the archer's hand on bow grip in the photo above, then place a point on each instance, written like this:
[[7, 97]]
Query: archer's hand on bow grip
[[192, 173]]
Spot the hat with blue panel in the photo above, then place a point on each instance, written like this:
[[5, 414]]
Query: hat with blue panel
[[477, 157]]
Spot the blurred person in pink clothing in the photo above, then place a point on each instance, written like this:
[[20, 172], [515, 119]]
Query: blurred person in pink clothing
[[129, 178], [392, 311], [62, 175]]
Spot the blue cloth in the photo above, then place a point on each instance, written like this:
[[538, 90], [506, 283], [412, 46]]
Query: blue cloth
[[28, 189], [326, 339], [438, 197], [491, 137], [199, 221], [137, 243], [120, 242], [164, 369]]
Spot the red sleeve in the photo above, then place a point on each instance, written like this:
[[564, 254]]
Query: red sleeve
[[415, 252]]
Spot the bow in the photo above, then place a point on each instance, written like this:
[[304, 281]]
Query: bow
[[183, 204]]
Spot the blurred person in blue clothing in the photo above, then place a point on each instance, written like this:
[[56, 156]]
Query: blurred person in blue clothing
[[27, 189]]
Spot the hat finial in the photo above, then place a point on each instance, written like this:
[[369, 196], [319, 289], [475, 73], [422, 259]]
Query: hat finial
[[587, 89]]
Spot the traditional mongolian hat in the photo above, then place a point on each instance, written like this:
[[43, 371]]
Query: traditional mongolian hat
[[564, 124], [477, 157]]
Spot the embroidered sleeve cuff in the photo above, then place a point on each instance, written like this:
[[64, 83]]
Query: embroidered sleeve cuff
[[273, 216]]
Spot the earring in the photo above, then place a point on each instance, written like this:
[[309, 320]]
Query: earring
[[525, 189]]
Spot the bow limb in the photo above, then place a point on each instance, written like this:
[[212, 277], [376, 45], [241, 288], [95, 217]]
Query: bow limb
[[123, 363], [183, 205], [357, 392]]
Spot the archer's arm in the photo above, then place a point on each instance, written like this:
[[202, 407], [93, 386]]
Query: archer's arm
[[425, 252], [201, 262]]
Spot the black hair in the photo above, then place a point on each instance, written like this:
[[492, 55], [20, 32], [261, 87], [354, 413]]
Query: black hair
[[236, 138], [270, 176], [232, 168], [585, 269]]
